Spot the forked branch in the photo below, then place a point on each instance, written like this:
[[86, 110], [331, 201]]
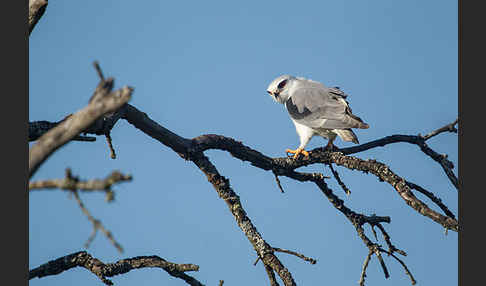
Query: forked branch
[[102, 270]]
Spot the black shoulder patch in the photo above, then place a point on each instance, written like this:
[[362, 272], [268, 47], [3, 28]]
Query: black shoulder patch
[[337, 91], [294, 111]]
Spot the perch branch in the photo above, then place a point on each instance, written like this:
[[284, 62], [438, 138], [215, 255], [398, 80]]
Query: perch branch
[[189, 149], [102, 270], [285, 166]]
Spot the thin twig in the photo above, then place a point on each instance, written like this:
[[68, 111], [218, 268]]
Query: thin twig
[[338, 179], [382, 263], [256, 261], [110, 145], [97, 225], [308, 259], [97, 67], [391, 247], [448, 128], [403, 264], [365, 266], [374, 232], [278, 182]]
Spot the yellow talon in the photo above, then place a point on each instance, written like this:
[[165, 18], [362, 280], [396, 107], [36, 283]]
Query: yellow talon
[[297, 152]]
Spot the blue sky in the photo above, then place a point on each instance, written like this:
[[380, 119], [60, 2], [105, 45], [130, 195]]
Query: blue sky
[[203, 67]]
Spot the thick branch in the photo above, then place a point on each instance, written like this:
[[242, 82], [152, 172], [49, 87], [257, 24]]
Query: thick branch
[[84, 259], [225, 192], [76, 123], [39, 128], [36, 10]]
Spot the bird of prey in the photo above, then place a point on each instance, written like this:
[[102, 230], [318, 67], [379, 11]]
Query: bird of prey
[[315, 110]]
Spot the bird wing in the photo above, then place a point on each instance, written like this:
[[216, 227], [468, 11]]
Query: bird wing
[[317, 106]]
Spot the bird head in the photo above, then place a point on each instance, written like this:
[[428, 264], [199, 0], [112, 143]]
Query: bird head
[[279, 88]]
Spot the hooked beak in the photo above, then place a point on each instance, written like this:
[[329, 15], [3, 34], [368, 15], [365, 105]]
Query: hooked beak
[[275, 94]]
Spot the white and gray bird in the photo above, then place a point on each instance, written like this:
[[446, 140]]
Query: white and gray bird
[[315, 110]]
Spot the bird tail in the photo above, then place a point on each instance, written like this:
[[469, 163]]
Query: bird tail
[[347, 135]]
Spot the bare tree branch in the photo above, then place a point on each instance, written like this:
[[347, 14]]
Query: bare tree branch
[[308, 259], [271, 275], [338, 179], [365, 266], [285, 166], [278, 182], [382, 263], [448, 128], [384, 173], [75, 124], [409, 274], [84, 259], [225, 192], [220, 184], [319, 155], [446, 165], [391, 247], [105, 108], [433, 198], [36, 10], [192, 149], [110, 145], [38, 128], [73, 183]]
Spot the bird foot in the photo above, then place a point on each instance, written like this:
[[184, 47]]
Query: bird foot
[[297, 152], [330, 147]]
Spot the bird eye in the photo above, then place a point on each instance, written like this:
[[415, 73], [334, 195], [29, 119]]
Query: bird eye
[[282, 84]]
